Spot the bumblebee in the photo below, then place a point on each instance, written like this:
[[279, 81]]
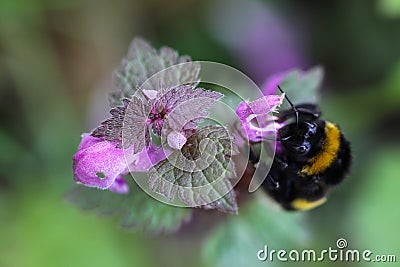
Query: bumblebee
[[312, 156]]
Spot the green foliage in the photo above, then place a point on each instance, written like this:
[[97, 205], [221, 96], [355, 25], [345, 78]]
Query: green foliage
[[137, 209], [237, 241], [376, 203], [302, 86], [390, 8], [43, 230], [143, 61], [199, 173], [11, 149]]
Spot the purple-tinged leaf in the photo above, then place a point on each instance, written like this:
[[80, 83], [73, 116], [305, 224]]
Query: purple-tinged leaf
[[149, 69], [137, 210], [183, 106], [111, 129], [135, 129], [200, 173], [127, 126]]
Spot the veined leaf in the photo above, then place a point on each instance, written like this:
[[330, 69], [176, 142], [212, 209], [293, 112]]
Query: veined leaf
[[137, 209], [199, 174], [127, 126], [149, 69]]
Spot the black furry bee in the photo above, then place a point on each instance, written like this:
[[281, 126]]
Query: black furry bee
[[313, 157]]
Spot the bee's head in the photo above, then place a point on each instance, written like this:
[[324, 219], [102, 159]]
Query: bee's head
[[303, 137], [298, 138]]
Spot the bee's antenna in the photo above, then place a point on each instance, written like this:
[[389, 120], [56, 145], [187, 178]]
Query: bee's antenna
[[291, 104]]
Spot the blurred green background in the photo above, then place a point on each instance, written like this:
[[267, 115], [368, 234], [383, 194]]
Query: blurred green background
[[56, 61]]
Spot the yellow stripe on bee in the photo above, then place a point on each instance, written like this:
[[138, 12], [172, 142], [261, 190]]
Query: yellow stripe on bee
[[304, 204], [328, 154]]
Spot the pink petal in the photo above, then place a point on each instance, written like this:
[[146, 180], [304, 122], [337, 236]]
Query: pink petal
[[145, 159], [152, 94], [176, 140], [98, 162], [88, 140], [119, 186], [256, 118]]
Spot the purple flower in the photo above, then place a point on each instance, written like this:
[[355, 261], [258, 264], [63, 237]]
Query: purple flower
[[180, 107], [119, 186], [256, 119], [98, 163], [101, 162], [183, 98], [271, 84], [158, 115], [148, 157]]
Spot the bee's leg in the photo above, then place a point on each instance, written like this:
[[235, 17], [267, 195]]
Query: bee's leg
[[277, 169], [280, 163], [271, 183]]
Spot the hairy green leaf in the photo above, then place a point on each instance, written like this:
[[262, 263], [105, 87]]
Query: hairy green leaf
[[111, 128], [149, 69], [135, 131], [127, 126], [137, 209], [182, 105], [199, 174]]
